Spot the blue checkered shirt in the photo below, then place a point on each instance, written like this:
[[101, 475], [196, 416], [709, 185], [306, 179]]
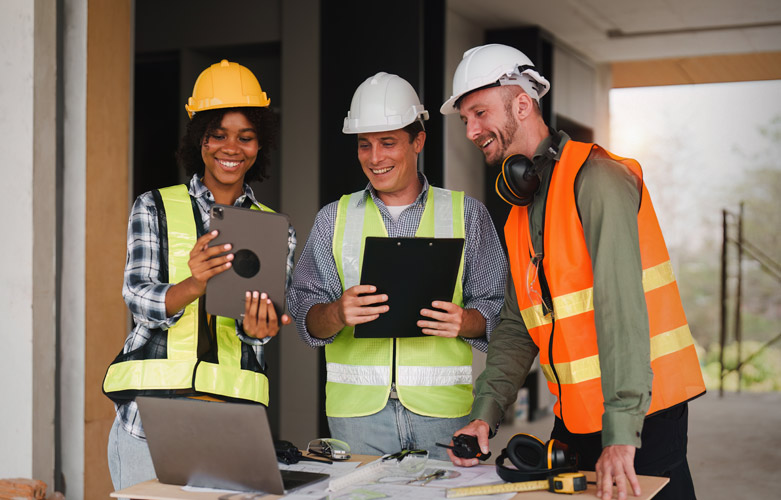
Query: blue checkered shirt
[[316, 280], [144, 293]]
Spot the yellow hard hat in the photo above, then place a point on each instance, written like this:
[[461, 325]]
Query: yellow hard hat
[[226, 85]]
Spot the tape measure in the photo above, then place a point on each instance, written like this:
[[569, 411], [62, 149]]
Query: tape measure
[[567, 482]]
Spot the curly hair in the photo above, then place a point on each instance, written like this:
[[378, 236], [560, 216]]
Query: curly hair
[[203, 125]]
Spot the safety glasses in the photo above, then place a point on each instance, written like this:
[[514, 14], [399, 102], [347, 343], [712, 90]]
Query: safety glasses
[[532, 272], [330, 448], [409, 461]]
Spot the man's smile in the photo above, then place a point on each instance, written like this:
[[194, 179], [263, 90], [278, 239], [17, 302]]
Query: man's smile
[[484, 142], [380, 171]]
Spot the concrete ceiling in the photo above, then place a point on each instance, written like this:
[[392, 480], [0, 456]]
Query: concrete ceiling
[[609, 31]]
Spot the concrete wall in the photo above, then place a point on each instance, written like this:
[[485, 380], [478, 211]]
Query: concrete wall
[[96, 134], [581, 89], [44, 249], [464, 163], [16, 295], [27, 273], [574, 87], [300, 148], [72, 320]]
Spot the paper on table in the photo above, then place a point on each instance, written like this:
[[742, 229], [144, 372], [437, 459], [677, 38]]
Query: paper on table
[[377, 481], [388, 491], [317, 491], [335, 469], [468, 476], [367, 474]]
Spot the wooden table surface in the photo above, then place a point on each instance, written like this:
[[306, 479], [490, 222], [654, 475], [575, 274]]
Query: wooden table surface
[[155, 490]]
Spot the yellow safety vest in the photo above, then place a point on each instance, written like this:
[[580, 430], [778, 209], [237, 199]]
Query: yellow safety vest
[[131, 374], [433, 375]]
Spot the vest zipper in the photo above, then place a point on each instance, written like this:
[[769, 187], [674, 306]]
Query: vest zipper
[[547, 299], [553, 367], [393, 367]]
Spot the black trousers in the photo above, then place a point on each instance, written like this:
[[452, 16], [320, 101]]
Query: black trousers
[[663, 452]]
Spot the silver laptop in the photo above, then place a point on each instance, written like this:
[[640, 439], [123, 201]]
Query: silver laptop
[[215, 445]]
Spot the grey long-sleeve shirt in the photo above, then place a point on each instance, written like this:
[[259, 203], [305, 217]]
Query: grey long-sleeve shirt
[[608, 198]]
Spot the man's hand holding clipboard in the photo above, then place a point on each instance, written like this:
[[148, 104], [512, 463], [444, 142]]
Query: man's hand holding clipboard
[[360, 304], [411, 284], [451, 320]]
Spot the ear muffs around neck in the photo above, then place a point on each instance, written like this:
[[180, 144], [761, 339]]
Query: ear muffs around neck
[[517, 181]]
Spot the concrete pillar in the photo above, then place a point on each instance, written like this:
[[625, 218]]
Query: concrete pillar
[[97, 60], [28, 56], [300, 173]]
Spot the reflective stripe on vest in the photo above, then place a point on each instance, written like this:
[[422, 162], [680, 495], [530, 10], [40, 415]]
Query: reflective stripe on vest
[[433, 374], [575, 371], [408, 375], [182, 369]]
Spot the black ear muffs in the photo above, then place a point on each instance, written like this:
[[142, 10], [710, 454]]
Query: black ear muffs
[[517, 181], [534, 460]]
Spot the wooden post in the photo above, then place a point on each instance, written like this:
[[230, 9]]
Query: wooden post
[[723, 328], [738, 334]]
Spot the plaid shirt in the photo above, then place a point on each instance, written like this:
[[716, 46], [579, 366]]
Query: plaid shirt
[[144, 293], [316, 280]]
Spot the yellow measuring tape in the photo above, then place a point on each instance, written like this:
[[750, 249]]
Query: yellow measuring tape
[[567, 482]]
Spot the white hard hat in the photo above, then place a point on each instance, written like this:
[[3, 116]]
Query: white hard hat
[[494, 64], [383, 102]]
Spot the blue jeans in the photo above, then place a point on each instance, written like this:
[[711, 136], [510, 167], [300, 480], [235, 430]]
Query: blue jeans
[[395, 428], [129, 461]]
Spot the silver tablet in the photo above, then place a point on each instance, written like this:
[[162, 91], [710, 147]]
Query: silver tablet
[[259, 241]]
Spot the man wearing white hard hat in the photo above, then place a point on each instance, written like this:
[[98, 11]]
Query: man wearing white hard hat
[[591, 288], [385, 395]]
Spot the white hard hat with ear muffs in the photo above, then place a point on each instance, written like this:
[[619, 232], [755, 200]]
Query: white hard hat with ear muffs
[[494, 65]]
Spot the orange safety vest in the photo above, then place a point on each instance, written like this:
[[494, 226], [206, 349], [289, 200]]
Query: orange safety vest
[[569, 356]]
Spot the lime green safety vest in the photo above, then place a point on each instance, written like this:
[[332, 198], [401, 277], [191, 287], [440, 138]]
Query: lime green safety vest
[[133, 374], [433, 375]]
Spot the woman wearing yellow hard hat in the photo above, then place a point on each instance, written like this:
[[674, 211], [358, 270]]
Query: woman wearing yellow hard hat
[[175, 349]]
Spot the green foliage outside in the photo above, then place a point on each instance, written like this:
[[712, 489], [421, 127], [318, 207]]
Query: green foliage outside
[[761, 374], [697, 162], [759, 187]]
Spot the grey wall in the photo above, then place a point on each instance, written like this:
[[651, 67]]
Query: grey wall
[[300, 383], [28, 101], [464, 163], [72, 293]]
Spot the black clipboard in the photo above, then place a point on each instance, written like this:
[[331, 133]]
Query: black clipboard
[[259, 241], [413, 272]]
